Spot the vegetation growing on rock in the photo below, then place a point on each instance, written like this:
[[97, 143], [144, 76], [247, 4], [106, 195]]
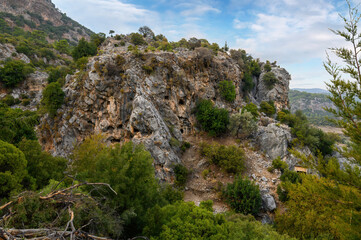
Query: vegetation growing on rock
[[268, 108], [243, 196], [212, 119], [14, 72], [270, 79], [227, 90], [53, 98], [229, 158], [242, 125]]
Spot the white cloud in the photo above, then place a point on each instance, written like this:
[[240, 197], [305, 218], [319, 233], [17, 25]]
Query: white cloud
[[237, 24], [103, 15], [293, 32], [196, 8]]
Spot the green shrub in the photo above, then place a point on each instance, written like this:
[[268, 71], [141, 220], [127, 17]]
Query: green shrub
[[228, 91], [205, 173], [270, 80], [255, 68], [25, 102], [53, 98], [174, 142], [268, 108], [14, 72], [81, 63], [279, 164], [137, 39], [243, 196], [267, 67], [42, 166], [290, 176], [319, 208], [307, 135], [248, 83], [185, 146], [58, 73], [181, 174], [47, 53], [251, 108], [98, 39], [229, 158], [212, 119], [12, 170], [242, 125], [147, 69], [62, 46], [184, 220], [17, 124], [84, 49], [121, 167], [10, 100]]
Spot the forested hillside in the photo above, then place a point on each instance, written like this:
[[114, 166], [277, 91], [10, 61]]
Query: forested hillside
[[40, 15], [312, 105]]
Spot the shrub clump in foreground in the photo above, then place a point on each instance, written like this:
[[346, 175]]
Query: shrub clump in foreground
[[229, 158], [212, 119], [243, 196]]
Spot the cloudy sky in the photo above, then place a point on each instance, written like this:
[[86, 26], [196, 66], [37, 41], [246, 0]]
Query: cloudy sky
[[295, 33]]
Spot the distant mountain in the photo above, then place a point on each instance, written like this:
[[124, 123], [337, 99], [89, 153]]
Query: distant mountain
[[42, 15], [311, 90], [312, 105]]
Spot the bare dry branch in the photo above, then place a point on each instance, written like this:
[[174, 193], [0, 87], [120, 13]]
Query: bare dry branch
[[52, 194], [44, 233]]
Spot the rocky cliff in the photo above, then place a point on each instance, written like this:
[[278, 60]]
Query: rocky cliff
[[42, 15], [148, 97]]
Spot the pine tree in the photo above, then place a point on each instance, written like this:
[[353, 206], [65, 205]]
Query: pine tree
[[346, 93]]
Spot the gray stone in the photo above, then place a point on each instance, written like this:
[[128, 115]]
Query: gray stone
[[273, 140], [278, 94], [268, 202], [266, 219]]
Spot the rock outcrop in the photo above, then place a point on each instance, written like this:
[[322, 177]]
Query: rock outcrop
[[268, 202], [278, 94], [8, 50], [147, 97], [273, 139]]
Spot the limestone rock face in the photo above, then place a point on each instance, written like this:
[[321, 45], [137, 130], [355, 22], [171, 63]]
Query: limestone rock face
[[8, 50], [278, 94], [273, 139], [147, 98], [32, 87]]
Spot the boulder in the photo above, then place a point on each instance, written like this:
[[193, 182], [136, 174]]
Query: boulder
[[273, 140], [268, 202]]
